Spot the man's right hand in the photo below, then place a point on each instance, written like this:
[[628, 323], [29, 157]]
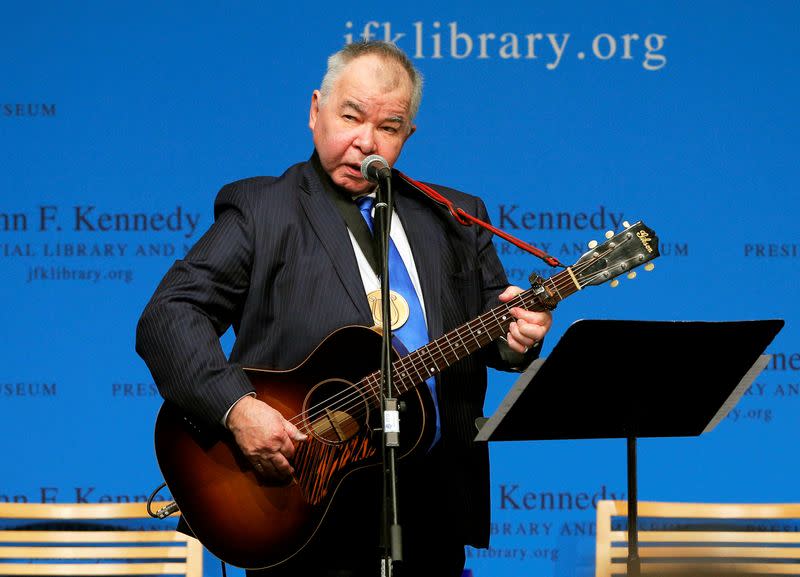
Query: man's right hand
[[265, 438]]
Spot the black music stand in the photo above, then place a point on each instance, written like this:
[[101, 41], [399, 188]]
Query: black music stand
[[632, 379]]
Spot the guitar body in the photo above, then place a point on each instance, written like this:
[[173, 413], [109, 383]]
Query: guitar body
[[244, 520]]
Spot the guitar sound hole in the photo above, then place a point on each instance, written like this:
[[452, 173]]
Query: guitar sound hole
[[335, 411]]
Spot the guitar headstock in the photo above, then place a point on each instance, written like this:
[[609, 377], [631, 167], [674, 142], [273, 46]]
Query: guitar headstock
[[636, 245]]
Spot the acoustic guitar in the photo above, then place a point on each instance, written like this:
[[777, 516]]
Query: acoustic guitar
[[248, 522]]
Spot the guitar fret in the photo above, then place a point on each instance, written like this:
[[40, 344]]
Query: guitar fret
[[484, 336], [455, 347], [444, 357], [420, 362], [555, 288], [420, 376], [452, 341], [435, 368], [404, 383], [461, 343], [449, 352], [502, 325], [476, 333]]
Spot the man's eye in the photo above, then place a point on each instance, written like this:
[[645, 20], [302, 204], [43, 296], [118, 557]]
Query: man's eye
[[390, 129], [349, 117]]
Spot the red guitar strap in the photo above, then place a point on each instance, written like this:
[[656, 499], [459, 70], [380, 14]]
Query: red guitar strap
[[467, 219]]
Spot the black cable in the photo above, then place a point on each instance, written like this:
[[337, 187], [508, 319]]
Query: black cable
[[165, 511]]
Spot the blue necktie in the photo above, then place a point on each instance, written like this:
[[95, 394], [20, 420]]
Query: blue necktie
[[414, 333]]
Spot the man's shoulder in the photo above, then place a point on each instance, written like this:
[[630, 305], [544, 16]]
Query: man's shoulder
[[259, 185], [260, 195]]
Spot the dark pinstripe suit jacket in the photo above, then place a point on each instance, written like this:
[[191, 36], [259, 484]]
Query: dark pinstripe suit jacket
[[278, 265]]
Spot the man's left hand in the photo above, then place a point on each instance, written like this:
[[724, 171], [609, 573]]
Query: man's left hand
[[529, 328]]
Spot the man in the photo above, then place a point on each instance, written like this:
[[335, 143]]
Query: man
[[282, 266]]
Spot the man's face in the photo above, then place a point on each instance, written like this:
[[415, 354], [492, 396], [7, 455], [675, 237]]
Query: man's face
[[365, 113]]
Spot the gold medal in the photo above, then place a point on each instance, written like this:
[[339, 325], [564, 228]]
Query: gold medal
[[398, 305]]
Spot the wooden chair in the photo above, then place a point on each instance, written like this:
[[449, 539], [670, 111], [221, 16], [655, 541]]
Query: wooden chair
[[91, 539], [702, 538]]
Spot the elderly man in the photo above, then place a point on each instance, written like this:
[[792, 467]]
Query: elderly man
[[285, 264]]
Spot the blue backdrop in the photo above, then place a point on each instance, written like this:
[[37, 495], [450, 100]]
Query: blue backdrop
[[119, 122]]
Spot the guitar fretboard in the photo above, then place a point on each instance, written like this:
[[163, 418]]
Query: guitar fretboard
[[430, 360]]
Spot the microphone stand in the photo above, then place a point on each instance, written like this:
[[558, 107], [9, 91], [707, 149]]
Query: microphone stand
[[390, 419]]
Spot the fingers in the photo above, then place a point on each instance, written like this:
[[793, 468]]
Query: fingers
[[273, 466], [519, 337], [285, 442], [509, 293], [265, 437], [277, 448], [272, 460], [536, 323], [528, 329], [293, 432], [281, 445]]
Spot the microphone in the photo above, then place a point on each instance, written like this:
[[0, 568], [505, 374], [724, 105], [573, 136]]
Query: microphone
[[374, 168]]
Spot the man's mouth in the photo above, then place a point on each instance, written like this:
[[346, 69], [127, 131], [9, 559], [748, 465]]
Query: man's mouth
[[355, 168]]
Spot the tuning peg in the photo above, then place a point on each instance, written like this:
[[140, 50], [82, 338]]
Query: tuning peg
[[632, 275], [626, 224], [609, 234], [592, 243], [614, 283], [649, 266]]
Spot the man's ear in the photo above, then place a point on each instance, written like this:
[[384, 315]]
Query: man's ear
[[313, 111], [411, 131]]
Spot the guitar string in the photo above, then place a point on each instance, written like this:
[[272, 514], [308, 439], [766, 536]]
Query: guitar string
[[369, 384]]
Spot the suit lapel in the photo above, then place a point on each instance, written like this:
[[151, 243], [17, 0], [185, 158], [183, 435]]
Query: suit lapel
[[424, 237], [330, 229]]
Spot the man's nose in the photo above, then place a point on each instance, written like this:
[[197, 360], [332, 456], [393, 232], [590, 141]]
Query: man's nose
[[365, 140]]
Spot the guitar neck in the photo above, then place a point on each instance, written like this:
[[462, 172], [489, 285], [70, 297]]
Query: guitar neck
[[428, 361]]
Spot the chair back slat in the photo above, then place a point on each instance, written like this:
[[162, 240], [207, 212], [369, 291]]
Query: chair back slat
[[712, 538], [91, 536], [91, 552], [74, 569], [84, 539]]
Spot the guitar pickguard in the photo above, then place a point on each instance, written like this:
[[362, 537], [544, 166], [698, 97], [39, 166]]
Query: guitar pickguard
[[318, 464]]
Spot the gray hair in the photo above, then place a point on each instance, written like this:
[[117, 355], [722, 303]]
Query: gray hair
[[385, 50]]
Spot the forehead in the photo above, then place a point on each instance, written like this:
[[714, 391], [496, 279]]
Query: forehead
[[372, 77]]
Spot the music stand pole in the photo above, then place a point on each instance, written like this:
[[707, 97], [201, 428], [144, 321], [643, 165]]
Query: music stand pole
[[634, 563]]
